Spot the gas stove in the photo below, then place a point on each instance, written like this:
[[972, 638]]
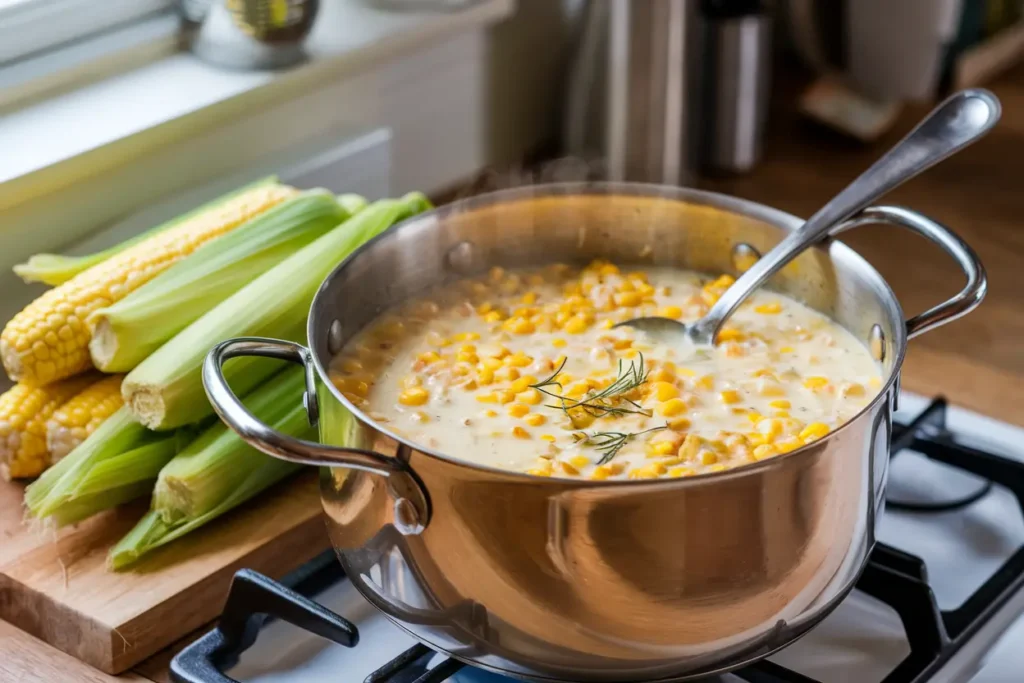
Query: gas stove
[[939, 601]]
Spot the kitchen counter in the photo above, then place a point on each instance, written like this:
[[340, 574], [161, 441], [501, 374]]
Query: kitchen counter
[[977, 361]]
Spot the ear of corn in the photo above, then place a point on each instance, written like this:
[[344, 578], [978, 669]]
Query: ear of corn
[[55, 269], [24, 412], [218, 471], [48, 340], [73, 421], [166, 390], [126, 332], [119, 456]]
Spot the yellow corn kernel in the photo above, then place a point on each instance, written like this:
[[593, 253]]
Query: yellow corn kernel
[[506, 396], [414, 396], [558, 343], [664, 391], [466, 336], [420, 416], [575, 325], [489, 413], [679, 424], [491, 364], [600, 473], [628, 299], [484, 308], [429, 357], [671, 312], [530, 397], [579, 461], [672, 407], [523, 383], [529, 298], [540, 471], [548, 437], [730, 334], [718, 468], [630, 353], [787, 444], [577, 389], [813, 431], [462, 369], [660, 448], [780, 413], [724, 281], [493, 317], [485, 376], [729, 396], [487, 398], [607, 324], [580, 418], [708, 458], [535, 420], [518, 360], [756, 438], [464, 356], [769, 309], [815, 382], [651, 470], [567, 468], [852, 389], [706, 382], [508, 374], [765, 451], [780, 404], [875, 382], [786, 349], [520, 433], [755, 417], [691, 444], [771, 428], [677, 472], [661, 375], [434, 339], [519, 326], [352, 365], [517, 409]]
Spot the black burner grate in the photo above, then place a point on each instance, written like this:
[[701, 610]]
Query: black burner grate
[[892, 576]]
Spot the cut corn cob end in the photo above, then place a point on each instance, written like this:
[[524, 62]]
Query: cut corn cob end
[[72, 422], [49, 339], [24, 412]]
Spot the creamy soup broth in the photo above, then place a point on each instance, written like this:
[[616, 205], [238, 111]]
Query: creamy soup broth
[[522, 371]]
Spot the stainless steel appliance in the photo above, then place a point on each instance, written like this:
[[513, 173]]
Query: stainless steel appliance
[[582, 580], [940, 600], [629, 89]]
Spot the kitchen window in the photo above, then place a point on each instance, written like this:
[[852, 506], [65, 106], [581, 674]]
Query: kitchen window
[[28, 27]]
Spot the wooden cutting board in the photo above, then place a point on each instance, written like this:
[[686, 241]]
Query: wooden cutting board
[[55, 585]]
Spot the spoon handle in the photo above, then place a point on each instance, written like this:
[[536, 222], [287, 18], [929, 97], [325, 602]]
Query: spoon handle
[[952, 125]]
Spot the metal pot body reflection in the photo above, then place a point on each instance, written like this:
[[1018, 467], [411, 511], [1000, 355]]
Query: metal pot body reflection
[[577, 580]]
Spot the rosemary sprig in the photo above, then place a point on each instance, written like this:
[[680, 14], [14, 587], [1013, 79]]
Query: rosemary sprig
[[608, 401], [610, 443]]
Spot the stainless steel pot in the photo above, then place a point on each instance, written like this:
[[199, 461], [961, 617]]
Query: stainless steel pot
[[598, 581]]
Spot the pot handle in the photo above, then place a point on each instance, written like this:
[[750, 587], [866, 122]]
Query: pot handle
[[411, 504], [977, 282]]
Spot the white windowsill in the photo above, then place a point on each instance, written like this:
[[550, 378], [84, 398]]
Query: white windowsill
[[348, 34]]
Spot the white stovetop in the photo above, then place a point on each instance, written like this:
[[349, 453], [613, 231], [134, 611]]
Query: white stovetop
[[859, 643]]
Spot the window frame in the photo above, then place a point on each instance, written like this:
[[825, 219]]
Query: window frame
[[30, 27]]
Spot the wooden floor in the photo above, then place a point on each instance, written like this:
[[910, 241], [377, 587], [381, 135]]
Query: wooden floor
[[978, 361]]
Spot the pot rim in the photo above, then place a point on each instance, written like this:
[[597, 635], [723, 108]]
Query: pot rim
[[745, 207]]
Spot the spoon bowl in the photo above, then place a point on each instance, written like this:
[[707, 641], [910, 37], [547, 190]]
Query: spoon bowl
[[960, 120]]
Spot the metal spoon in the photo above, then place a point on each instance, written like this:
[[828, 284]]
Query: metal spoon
[[957, 122]]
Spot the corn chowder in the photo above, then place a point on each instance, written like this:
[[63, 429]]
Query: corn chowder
[[522, 371]]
